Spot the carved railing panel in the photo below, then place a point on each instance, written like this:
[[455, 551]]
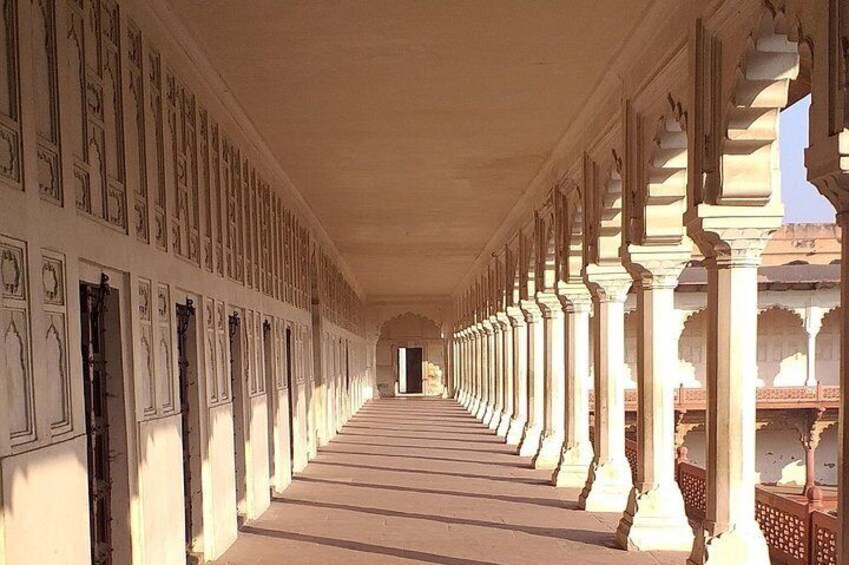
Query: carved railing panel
[[823, 530], [784, 523]]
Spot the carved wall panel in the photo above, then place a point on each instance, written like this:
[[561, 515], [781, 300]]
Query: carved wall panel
[[56, 342], [46, 99], [146, 377], [165, 369], [222, 352], [217, 196], [181, 112], [232, 167], [10, 123], [136, 149], [98, 144], [210, 346], [249, 215], [205, 189], [156, 165], [17, 352]]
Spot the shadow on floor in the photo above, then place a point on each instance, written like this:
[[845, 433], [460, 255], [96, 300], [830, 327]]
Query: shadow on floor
[[420, 556], [587, 537], [553, 503]]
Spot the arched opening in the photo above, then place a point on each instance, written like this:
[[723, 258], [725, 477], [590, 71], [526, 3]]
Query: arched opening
[[782, 357], [410, 357]]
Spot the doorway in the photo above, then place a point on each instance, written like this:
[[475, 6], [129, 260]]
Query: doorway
[[239, 429], [410, 370], [106, 424], [271, 395], [190, 420], [291, 397]]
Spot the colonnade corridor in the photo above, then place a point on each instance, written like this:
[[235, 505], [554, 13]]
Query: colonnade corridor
[[419, 480]]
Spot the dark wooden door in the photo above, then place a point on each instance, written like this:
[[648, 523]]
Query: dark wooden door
[[291, 397], [414, 369], [184, 315], [92, 320]]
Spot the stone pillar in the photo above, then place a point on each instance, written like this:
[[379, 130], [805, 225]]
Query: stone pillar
[[497, 373], [506, 375], [577, 452], [489, 363], [520, 376], [554, 403], [609, 481], [536, 371], [465, 397], [813, 325], [655, 518], [477, 367], [843, 423], [729, 527], [483, 377]]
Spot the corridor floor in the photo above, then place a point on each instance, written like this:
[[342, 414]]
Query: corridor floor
[[421, 481]]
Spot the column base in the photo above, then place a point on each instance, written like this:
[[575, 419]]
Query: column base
[[503, 425], [480, 412], [516, 431], [655, 520], [608, 486], [574, 467], [738, 545], [530, 441], [550, 449], [495, 419], [487, 415]]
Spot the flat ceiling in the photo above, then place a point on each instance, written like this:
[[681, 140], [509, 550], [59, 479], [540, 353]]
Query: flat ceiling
[[411, 127]]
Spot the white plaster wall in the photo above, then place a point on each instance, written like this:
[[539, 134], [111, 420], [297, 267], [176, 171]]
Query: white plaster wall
[[259, 485], [282, 455], [780, 456], [220, 465], [46, 492], [161, 471]]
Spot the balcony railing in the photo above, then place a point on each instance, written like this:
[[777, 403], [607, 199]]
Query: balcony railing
[[797, 533], [827, 396]]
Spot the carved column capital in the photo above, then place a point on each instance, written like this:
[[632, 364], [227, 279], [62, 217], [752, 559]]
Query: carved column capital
[[531, 310], [575, 296], [733, 236], [502, 320], [609, 283], [516, 316], [549, 304]]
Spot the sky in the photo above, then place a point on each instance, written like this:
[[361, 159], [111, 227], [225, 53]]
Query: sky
[[802, 202]]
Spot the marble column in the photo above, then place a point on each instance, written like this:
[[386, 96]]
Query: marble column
[[496, 373], [476, 370], [730, 528], [655, 518], [520, 376], [554, 349], [813, 325], [506, 375], [536, 372], [609, 481], [464, 360], [843, 424], [486, 365], [577, 452]]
